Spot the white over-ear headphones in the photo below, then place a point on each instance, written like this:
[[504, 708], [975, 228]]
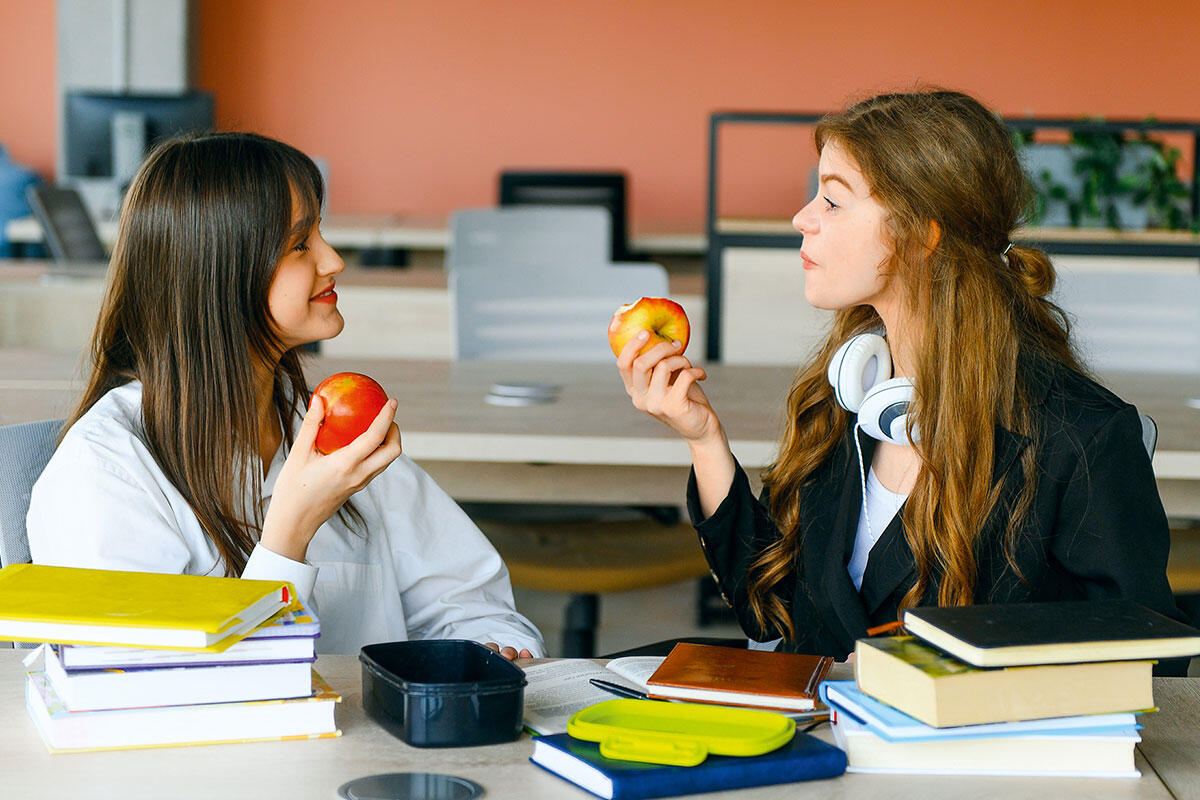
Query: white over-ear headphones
[[861, 376]]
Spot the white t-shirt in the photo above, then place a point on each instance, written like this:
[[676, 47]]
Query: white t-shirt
[[419, 569], [882, 505]]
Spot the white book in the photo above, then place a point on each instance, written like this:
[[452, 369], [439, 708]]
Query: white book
[[211, 723], [96, 689], [557, 689], [1097, 753]]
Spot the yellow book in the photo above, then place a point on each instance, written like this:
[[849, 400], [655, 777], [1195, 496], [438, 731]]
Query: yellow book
[[68, 605]]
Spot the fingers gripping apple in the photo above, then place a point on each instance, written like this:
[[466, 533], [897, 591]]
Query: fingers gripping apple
[[352, 401], [663, 318]]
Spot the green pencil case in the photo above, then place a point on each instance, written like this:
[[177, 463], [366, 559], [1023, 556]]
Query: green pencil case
[[679, 734]]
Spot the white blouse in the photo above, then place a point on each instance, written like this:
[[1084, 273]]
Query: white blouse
[[880, 505], [420, 569]]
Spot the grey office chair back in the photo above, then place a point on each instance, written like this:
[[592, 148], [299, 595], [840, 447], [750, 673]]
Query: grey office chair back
[[1142, 322], [26, 447], [550, 236], [67, 225], [1149, 434], [522, 313]]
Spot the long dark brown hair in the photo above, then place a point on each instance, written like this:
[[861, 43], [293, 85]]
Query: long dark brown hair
[[202, 228], [941, 157]]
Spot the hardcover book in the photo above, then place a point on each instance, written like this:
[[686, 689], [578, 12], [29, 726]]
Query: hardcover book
[[940, 690], [68, 605], [730, 676], [97, 689], [290, 635], [894, 725], [211, 723], [803, 758], [1086, 753], [1052, 633]]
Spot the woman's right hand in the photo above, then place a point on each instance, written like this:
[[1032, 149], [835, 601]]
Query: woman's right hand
[[663, 383], [311, 487]]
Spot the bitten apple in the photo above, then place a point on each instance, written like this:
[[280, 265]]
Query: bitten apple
[[352, 401], [665, 319]]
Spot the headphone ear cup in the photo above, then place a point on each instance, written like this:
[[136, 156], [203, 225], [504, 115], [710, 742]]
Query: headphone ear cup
[[858, 365], [883, 414]]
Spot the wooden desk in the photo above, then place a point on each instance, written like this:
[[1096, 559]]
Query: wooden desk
[[314, 769], [591, 445]]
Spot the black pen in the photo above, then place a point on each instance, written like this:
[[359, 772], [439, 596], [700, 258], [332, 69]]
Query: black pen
[[617, 689]]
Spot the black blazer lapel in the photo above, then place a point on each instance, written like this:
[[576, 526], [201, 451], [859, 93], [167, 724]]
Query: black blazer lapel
[[829, 541]]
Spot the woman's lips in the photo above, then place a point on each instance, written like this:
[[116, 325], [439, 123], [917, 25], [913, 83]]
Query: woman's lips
[[808, 262], [327, 296]]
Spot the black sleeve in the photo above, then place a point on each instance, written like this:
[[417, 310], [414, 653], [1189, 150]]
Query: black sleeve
[[732, 539], [1112, 534]]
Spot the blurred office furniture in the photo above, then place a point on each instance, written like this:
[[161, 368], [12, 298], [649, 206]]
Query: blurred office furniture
[[106, 136], [552, 237], [27, 447], [14, 180], [70, 233], [573, 188], [560, 314], [732, 240], [517, 312], [1144, 322]]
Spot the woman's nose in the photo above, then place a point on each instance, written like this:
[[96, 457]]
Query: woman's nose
[[805, 219]]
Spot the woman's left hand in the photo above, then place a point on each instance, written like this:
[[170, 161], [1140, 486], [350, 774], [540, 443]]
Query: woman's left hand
[[508, 652]]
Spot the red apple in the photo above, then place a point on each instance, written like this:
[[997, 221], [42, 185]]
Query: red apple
[[352, 401], [665, 319]]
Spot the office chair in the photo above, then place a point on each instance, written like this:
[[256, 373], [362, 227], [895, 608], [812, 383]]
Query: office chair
[[508, 312], [69, 230], [579, 188], [27, 447], [550, 237]]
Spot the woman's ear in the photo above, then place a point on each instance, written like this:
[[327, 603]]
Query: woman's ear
[[934, 236]]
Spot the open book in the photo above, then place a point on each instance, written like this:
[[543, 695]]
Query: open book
[[557, 689]]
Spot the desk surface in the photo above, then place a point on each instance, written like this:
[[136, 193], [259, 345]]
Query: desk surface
[[443, 415], [314, 769]]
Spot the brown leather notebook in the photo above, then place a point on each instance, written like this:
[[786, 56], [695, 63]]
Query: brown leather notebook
[[704, 673]]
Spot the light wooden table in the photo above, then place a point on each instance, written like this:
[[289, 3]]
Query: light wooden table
[[591, 445], [314, 769]]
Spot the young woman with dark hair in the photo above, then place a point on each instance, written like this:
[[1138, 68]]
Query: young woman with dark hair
[[991, 469], [192, 451]]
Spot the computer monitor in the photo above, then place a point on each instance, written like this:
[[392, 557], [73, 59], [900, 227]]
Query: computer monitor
[[107, 135], [577, 188]]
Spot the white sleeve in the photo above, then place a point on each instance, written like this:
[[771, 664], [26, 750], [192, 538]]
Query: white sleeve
[[265, 564], [89, 510], [452, 581]]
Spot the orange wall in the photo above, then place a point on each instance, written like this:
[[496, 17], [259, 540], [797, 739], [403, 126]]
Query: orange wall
[[416, 105], [27, 56]]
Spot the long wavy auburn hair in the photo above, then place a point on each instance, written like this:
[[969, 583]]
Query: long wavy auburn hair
[[941, 157], [203, 226]]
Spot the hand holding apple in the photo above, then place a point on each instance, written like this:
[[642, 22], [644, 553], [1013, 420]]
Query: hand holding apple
[[352, 401], [312, 486], [663, 318]]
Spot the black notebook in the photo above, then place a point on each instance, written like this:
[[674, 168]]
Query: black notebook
[[1052, 633]]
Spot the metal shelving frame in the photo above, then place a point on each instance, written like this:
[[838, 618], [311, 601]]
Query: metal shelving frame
[[718, 240]]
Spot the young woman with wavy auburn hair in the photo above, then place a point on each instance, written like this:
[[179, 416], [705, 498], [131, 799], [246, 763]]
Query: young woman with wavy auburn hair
[[192, 448], [990, 469]]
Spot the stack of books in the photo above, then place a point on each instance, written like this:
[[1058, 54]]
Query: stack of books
[[145, 660], [1024, 689]]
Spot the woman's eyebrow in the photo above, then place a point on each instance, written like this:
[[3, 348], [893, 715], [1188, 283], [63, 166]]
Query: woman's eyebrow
[[303, 226], [833, 176]]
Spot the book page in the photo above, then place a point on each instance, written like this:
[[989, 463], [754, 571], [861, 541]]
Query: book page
[[557, 689]]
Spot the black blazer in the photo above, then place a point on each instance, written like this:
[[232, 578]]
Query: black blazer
[[1096, 528]]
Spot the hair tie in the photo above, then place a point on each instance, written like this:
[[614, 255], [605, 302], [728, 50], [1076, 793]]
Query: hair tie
[[1006, 249]]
